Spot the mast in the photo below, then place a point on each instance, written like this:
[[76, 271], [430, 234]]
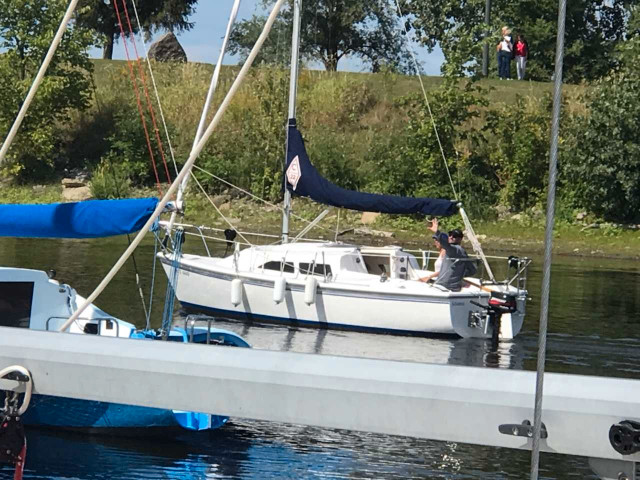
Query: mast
[[293, 87], [207, 105]]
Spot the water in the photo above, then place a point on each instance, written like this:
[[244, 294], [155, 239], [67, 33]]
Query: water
[[593, 331]]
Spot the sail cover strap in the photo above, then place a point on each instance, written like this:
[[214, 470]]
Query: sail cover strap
[[302, 179], [89, 219]]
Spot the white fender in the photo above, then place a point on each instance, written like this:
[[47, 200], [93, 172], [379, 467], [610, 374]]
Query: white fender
[[310, 288], [279, 287], [236, 292]]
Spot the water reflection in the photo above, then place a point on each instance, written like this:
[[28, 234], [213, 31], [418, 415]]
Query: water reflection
[[593, 331], [452, 351]]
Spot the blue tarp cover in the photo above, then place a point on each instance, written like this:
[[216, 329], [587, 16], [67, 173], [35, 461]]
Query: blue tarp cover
[[313, 185], [89, 219]]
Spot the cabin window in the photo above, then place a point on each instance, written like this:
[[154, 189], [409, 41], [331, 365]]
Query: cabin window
[[377, 264], [318, 269], [15, 304], [277, 266]]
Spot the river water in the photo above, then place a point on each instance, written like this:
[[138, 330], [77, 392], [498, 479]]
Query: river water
[[594, 318]]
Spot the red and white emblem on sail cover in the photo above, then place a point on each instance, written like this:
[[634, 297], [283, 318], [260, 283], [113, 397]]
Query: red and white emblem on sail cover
[[294, 173]]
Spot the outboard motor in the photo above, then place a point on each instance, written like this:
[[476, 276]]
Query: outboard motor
[[499, 304]]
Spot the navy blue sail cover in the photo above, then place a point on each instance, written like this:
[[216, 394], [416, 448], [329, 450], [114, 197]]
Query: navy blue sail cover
[[89, 219], [304, 180]]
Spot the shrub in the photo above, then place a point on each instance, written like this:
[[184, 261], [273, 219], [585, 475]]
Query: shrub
[[516, 144], [110, 180], [336, 101], [604, 165], [25, 36]]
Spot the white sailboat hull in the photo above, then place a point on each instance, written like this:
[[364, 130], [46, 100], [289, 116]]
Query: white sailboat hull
[[394, 306]]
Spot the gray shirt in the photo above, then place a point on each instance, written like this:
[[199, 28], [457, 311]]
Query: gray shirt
[[454, 267]]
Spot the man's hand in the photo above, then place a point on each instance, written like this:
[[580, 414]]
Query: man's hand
[[434, 225]]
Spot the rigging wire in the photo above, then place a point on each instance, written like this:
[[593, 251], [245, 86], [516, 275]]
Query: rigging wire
[[146, 93], [156, 242], [546, 267], [166, 130], [255, 197], [155, 86], [112, 170], [183, 172], [172, 286], [426, 99], [137, 93], [38, 79], [217, 209]]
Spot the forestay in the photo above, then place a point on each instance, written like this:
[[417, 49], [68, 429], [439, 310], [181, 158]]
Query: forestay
[[89, 219], [304, 180]]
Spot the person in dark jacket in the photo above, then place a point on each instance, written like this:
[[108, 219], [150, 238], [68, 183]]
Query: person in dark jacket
[[505, 54], [456, 264]]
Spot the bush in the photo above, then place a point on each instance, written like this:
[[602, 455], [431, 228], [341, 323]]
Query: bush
[[604, 165], [411, 164], [516, 144], [109, 181], [25, 37], [336, 101], [248, 148]]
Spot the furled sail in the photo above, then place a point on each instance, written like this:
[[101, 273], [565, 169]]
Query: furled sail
[[89, 219], [304, 180]]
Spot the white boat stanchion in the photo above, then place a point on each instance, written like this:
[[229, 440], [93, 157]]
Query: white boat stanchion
[[310, 288], [236, 292], [279, 287]]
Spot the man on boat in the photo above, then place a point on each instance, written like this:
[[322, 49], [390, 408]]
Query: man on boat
[[456, 264]]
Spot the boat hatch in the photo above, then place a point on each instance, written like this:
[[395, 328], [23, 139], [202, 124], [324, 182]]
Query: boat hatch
[[394, 264], [15, 304]]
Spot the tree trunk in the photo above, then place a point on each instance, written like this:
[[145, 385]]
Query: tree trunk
[[330, 62], [107, 49]]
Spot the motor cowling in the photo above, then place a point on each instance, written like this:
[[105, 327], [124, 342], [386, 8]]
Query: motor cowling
[[503, 302]]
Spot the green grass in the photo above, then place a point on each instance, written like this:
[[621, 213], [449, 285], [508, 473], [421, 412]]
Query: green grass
[[31, 193], [183, 88], [525, 236]]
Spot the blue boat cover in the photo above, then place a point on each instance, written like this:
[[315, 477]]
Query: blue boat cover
[[304, 180], [89, 219]]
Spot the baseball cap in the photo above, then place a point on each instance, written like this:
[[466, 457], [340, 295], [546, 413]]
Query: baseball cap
[[456, 233]]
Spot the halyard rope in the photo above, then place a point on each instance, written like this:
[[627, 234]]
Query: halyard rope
[[186, 169], [146, 93], [155, 86], [137, 93], [426, 100]]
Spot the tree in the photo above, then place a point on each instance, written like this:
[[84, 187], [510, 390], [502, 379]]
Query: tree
[[593, 28], [26, 31], [603, 162], [100, 16], [331, 30]]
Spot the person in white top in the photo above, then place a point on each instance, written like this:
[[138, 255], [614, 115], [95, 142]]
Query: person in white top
[[505, 53], [438, 263]]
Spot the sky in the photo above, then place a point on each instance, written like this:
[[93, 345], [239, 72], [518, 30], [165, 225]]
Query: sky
[[203, 42]]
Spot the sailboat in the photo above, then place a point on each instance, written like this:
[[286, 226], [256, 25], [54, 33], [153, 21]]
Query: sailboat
[[33, 299], [344, 286]]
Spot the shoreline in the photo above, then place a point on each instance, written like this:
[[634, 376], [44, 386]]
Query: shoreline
[[508, 236]]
